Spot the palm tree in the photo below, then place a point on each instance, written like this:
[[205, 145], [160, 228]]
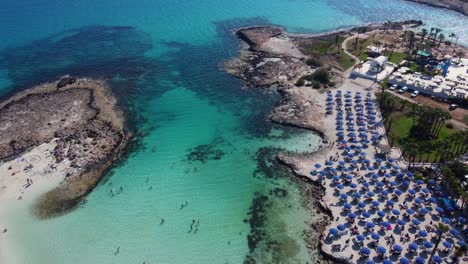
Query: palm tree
[[432, 32], [442, 230], [441, 38], [437, 31], [460, 54], [451, 36]]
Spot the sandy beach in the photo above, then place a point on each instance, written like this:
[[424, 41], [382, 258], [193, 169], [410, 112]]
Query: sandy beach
[[22, 181]]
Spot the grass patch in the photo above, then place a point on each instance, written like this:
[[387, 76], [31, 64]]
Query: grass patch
[[396, 57], [345, 61]]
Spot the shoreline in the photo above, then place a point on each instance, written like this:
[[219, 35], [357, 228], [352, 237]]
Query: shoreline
[[268, 59], [456, 6], [72, 133]]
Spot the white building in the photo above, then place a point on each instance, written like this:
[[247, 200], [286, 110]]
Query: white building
[[378, 64], [375, 69]]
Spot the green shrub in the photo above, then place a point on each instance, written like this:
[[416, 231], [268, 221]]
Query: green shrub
[[313, 62], [321, 76], [316, 85], [300, 82], [449, 125]]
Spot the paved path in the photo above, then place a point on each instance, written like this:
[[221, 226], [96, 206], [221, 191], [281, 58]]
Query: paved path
[[343, 47]]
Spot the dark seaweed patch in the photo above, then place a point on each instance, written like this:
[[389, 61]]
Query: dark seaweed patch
[[204, 153]]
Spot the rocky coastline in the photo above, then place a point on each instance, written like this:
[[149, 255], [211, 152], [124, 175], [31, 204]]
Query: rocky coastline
[[460, 6], [270, 58], [81, 121]]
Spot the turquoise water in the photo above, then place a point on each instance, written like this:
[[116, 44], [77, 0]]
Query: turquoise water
[[202, 138]]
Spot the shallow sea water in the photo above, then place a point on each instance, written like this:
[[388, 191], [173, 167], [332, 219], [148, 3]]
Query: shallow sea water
[[203, 139]]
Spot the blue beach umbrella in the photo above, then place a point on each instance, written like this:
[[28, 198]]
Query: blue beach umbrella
[[344, 196], [431, 181], [384, 224], [413, 246], [437, 259], [420, 260], [379, 184], [419, 182], [425, 190], [422, 233], [365, 184], [412, 192], [454, 232], [440, 210], [418, 201], [375, 236], [416, 221], [447, 244], [370, 225], [360, 238], [357, 196], [397, 248], [366, 214], [342, 162], [380, 213], [381, 250], [393, 183], [340, 186], [375, 203], [370, 193], [401, 222], [333, 231], [384, 192], [369, 261], [398, 192], [388, 175], [428, 244], [404, 261], [353, 185], [348, 177], [341, 227], [347, 206], [395, 212], [352, 215], [329, 162], [424, 211], [336, 178], [387, 261], [317, 165], [361, 204], [365, 251], [390, 202]]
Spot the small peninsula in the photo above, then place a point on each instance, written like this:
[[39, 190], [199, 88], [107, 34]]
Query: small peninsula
[[58, 140]]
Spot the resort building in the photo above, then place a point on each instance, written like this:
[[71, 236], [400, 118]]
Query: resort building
[[375, 69], [454, 84]]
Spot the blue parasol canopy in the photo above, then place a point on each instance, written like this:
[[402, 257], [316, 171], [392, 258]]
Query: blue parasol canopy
[[381, 250], [395, 212], [365, 251], [413, 246], [347, 206], [420, 260], [344, 196], [375, 236], [404, 261], [333, 231], [340, 186], [370, 193], [397, 248], [360, 237], [437, 259], [416, 221], [370, 225], [361, 204], [381, 213], [375, 203], [353, 185], [341, 227], [401, 222], [428, 244], [366, 214], [352, 215], [447, 244], [422, 233]]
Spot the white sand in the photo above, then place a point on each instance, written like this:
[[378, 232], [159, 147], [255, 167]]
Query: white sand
[[13, 182]]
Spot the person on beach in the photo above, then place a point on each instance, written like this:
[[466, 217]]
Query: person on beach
[[162, 222], [117, 251]]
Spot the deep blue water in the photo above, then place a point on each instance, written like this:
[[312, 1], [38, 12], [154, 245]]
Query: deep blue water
[[162, 59]]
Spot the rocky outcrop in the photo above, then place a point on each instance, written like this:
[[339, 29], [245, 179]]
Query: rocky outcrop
[[460, 6], [82, 118]]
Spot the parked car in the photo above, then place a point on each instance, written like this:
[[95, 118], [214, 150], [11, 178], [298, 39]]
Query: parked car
[[402, 90], [453, 107], [394, 87], [415, 93]]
